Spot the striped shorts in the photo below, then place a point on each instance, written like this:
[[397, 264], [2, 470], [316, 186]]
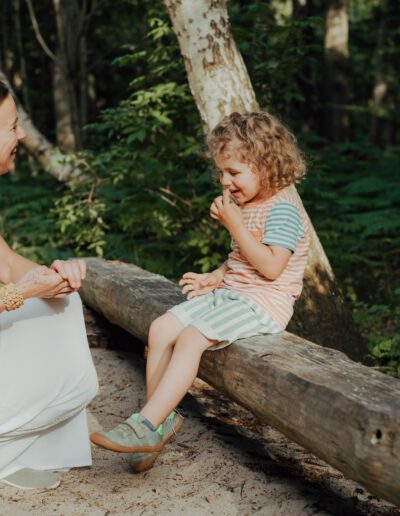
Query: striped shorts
[[225, 315]]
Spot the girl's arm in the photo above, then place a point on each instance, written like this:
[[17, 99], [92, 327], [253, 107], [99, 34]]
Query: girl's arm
[[269, 260]]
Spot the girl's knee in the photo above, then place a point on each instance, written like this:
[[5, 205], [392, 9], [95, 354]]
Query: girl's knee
[[157, 325], [191, 338], [157, 329], [163, 331]]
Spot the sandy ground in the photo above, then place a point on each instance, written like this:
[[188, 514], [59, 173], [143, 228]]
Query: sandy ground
[[223, 462]]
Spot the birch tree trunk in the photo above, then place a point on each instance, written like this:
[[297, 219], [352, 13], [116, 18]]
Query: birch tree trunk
[[220, 84], [336, 118]]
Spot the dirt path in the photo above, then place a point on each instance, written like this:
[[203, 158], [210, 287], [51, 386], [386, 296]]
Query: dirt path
[[223, 462]]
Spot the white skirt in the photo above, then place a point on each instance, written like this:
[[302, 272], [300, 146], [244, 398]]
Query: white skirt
[[47, 378]]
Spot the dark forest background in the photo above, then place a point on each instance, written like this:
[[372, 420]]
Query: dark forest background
[[105, 80]]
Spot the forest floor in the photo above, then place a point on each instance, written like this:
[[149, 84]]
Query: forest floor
[[222, 462]]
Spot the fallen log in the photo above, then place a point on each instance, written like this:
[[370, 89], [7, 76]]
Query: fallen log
[[342, 411]]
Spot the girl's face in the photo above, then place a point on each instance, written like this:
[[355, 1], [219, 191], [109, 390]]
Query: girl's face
[[10, 134], [239, 178]]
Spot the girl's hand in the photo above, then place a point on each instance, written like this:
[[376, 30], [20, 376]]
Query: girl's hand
[[73, 271], [226, 211], [198, 284], [43, 282]]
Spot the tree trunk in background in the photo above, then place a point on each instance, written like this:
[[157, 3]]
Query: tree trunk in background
[[65, 129], [382, 131], [7, 54], [21, 56], [67, 74], [336, 118], [307, 111], [22, 76], [220, 84], [300, 9], [83, 83]]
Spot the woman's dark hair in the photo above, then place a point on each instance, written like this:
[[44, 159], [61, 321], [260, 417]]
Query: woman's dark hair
[[4, 91]]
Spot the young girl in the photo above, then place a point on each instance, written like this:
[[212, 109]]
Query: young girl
[[252, 293]]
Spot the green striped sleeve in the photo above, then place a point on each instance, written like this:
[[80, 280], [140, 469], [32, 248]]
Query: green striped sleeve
[[284, 226]]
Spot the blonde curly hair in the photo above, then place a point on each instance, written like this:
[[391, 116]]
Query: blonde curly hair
[[262, 141]]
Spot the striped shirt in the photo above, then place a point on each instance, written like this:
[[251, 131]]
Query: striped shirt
[[281, 221]]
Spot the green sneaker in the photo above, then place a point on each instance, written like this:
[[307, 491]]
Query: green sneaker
[[143, 461], [130, 436], [171, 426]]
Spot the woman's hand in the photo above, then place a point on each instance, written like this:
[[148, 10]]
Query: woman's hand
[[43, 282], [198, 284], [73, 271], [226, 211]]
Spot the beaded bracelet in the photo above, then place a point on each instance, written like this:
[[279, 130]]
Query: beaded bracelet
[[11, 297]]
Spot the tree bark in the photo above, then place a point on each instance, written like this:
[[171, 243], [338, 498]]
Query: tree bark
[[341, 411], [6, 49], [21, 56], [307, 110], [66, 74], [54, 162], [65, 128], [383, 104], [336, 118], [216, 72], [300, 9], [220, 84]]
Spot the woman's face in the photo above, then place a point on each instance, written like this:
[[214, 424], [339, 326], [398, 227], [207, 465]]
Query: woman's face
[[10, 134]]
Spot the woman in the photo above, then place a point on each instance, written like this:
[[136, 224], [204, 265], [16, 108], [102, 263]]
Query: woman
[[46, 372]]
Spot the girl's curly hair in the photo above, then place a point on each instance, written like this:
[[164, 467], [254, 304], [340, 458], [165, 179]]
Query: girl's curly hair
[[261, 140]]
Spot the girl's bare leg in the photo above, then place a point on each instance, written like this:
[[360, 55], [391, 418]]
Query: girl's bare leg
[[162, 337], [179, 375]]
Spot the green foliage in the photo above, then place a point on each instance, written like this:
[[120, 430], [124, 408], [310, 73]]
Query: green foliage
[[352, 195], [26, 221], [79, 219], [381, 325], [153, 183], [283, 56]]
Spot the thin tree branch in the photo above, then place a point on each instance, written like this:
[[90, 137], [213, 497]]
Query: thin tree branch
[[38, 34]]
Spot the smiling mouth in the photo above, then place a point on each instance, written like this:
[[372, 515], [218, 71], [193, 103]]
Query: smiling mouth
[[14, 151]]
